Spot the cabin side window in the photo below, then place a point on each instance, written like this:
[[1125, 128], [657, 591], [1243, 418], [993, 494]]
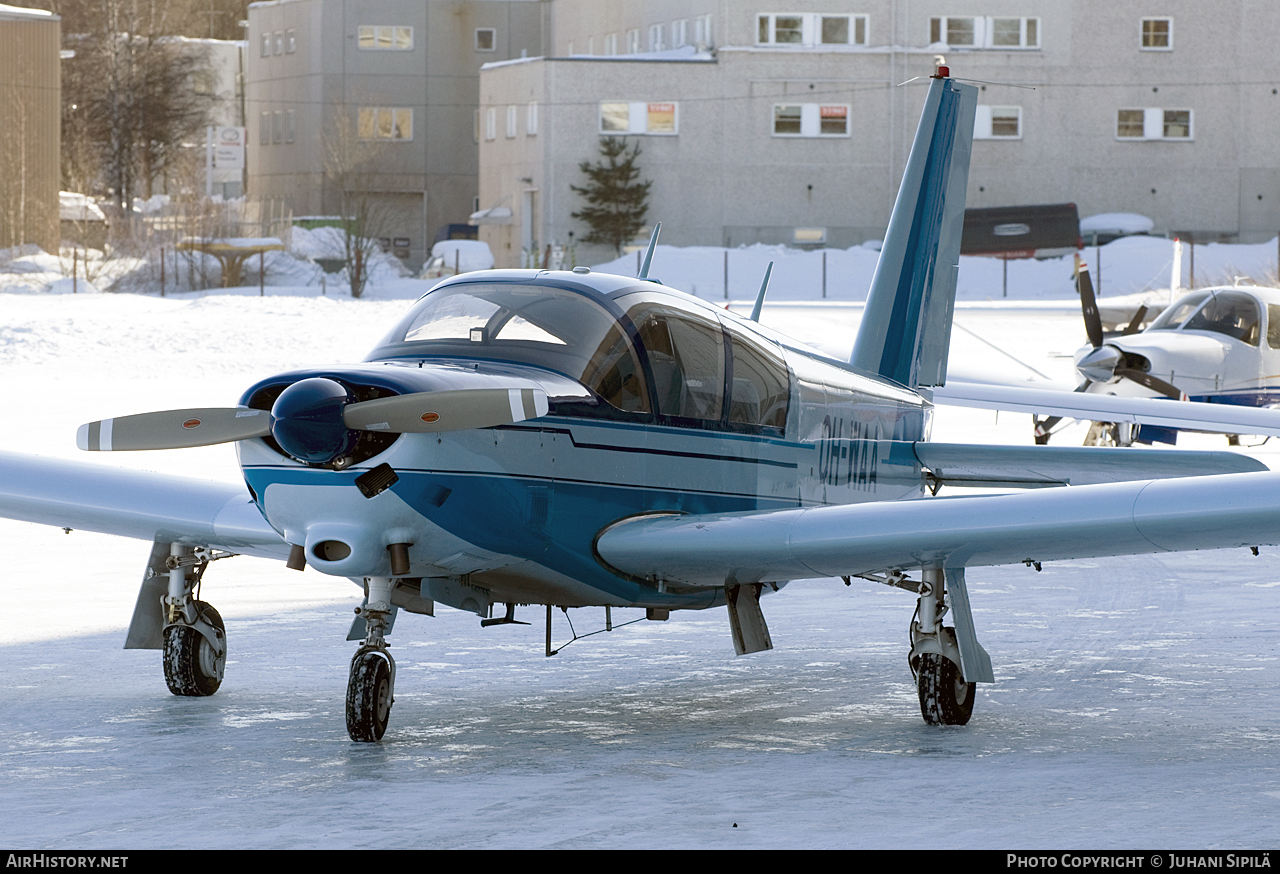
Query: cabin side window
[[760, 387], [686, 361], [1273, 326]]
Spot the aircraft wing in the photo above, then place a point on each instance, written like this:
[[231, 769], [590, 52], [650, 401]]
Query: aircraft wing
[[961, 464], [148, 506], [952, 532], [1184, 415]]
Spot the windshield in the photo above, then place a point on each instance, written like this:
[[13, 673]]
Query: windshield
[[1177, 313], [553, 328]]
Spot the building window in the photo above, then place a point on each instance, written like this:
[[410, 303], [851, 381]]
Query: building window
[[1157, 34], [655, 38], [1154, 124], [633, 41], [780, 29], [796, 29], [810, 120], [610, 43], [512, 124], [998, 123], [490, 123], [264, 129], [702, 32], [640, 118], [289, 125], [290, 41], [277, 126], [386, 123], [985, 33], [266, 45], [385, 37], [531, 120], [277, 43], [680, 33], [486, 39]]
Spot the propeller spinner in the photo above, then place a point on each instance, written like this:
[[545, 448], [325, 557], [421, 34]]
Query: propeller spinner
[[316, 420]]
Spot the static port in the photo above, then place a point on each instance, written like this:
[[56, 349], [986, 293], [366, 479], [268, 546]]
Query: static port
[[331, 550]]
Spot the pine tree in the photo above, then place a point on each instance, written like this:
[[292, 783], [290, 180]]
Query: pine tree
[[617, 201]]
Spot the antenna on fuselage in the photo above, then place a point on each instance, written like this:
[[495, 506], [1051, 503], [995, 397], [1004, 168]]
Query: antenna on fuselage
[[764, 286], [648, 255]]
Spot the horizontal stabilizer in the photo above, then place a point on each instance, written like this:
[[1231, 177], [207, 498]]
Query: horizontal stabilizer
[[959, 464], [1183, 415]]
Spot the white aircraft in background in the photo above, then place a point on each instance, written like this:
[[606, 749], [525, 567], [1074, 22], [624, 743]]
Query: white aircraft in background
[[575, 439], [1217, 345]]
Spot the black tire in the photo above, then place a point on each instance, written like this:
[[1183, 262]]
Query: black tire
[[945, 698], [189, 668], [369, 698]]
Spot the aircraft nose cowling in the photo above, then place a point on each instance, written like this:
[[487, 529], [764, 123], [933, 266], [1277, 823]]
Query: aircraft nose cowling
[[307, 420]]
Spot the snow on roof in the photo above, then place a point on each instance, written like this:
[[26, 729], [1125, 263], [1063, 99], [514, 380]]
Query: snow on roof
[[1116, 223], [75, 207], [20, 12]]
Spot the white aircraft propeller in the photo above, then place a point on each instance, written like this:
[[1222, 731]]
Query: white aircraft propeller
[[315, 409]]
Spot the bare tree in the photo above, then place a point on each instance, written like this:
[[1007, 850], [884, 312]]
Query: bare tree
[[352, 159], [129, 93]]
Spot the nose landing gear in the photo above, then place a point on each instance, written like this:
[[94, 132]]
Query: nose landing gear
[[371, 685]]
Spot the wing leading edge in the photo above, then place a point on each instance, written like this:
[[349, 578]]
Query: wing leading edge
[[147, 506], [1084, 522]]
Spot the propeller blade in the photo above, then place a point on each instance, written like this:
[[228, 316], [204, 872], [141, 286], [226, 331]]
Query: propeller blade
[[1089, 304], [434, 411], [1137, 321], [1043, 427], [174, 429], [1142, 378]]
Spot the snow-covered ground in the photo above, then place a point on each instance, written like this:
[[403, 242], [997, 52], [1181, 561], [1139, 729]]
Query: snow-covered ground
[[1133, 705]]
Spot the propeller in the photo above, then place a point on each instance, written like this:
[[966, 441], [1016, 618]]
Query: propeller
[[1105, 362], [316, 420]]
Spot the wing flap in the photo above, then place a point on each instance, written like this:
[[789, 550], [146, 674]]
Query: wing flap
[[147, 506], [958, 464], [1184, 415], [1088, 521]]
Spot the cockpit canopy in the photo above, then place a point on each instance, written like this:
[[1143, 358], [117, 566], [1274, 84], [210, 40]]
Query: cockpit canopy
[[646, 354], [1235, 314]]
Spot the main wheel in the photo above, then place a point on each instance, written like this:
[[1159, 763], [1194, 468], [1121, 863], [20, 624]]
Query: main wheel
[[190, 661], [945, 698], [369, 698]]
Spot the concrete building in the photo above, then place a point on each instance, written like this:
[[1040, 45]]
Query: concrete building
[[758, 125], [30, 127], [380, 96]]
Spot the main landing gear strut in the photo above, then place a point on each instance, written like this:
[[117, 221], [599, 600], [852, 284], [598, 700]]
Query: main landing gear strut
[[195, 638], [945, 688]]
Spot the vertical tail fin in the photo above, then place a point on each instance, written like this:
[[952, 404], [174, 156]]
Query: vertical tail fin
[[906, 326]]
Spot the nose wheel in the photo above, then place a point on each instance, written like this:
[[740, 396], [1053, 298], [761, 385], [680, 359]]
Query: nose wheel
[[369, 696]]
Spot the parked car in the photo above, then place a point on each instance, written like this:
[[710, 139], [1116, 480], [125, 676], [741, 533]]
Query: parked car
[[451, 257]]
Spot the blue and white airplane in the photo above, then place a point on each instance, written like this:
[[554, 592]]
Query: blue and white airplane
[[577, 439]]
